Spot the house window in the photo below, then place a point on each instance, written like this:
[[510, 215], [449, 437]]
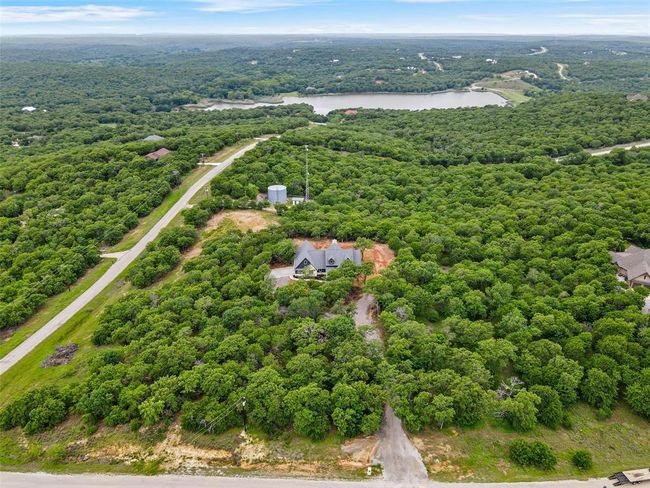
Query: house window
[[331, 261]]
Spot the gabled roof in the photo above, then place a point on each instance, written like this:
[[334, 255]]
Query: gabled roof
[[332, 257], [634, 260], [163, 151], [153, 137]]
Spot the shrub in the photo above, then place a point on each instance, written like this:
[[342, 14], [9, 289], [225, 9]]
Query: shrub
[[535, 454], [56, 453], [581, 459]]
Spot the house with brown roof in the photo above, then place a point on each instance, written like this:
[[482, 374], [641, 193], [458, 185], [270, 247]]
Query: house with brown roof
[[163, 151], [633, 265]]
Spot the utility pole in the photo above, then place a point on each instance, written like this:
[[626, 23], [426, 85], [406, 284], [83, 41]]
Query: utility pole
[[306, 173]]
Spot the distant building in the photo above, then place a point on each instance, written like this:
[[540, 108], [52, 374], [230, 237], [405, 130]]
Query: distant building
[[633, 265], [350, 111], [310, 261], [29, 108], [297, 200], [277, 194], [153, 137], [157, 154], [631, 98]]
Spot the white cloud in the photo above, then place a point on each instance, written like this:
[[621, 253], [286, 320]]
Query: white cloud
[[88, 12], [250, 5]]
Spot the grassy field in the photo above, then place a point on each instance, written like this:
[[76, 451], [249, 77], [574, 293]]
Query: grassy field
[[512, 89], [53, 306], [27, 373], [481, 454]]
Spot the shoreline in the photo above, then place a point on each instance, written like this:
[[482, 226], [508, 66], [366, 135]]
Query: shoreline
[[207, 104]]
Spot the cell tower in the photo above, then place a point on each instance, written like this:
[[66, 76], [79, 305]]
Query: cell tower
[[306, 173]]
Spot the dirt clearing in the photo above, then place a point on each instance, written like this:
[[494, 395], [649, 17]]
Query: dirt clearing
[[245, 220]]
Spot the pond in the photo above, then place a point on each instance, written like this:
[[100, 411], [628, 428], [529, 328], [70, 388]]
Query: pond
[[398, 101]]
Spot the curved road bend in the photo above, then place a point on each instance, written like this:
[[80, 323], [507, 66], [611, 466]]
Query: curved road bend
[[38, 480], [120, 265], [606, 150]]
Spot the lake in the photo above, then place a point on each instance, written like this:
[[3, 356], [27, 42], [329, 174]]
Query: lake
[[398, 101]]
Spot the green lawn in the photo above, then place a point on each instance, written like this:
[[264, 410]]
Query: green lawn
[[481, 454], [511, 89], [27, 373], [53, 306]]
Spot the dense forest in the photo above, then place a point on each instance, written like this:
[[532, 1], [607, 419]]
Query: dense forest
[[58, 207], [143, 74], [502, 304]]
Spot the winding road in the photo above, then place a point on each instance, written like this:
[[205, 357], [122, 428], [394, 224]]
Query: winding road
[[123, 260]]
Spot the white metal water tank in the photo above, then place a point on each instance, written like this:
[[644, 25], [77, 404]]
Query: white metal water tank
[[277, 194]]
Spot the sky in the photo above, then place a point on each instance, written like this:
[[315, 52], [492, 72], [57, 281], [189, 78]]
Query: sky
[[515, 17]]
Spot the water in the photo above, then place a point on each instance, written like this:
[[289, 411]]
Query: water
[[399, 101]]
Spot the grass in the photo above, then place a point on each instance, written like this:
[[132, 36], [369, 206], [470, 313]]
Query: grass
[[28, 374], [511, 89], [53, 306], [480, 454]]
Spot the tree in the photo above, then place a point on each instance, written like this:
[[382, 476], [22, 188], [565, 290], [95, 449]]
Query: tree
[[638, 393], [265, 400], [497, 353], [356, 408], [521, 411], [599, 390], [309, 407], [469, 401], [442, 410], [549, 411]]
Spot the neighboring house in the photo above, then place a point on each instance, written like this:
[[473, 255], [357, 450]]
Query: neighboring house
[[153, 137], [637, 98], [310, 261], [633, 265], [29, 108], [157, 154]]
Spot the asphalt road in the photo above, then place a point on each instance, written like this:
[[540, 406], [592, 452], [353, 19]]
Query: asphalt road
[[120, 265], [400, 459], [39, 480], [606, 150]]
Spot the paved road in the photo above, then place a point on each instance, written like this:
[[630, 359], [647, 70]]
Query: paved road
[[363, 315], [39, 480], [627, 146], [606, 150], [400, 459], [120, 265], [398, 456]]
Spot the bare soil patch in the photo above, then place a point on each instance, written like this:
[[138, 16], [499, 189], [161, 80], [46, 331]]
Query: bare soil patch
[[245, 220], [361, 450]]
